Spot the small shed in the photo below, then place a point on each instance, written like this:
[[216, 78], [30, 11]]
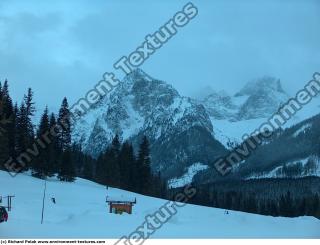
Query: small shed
[[119, 205]]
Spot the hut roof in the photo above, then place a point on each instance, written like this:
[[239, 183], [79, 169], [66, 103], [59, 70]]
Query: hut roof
[[120, 198]]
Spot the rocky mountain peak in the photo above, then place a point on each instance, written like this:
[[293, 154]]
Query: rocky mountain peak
[[266, 83], [178, 128]]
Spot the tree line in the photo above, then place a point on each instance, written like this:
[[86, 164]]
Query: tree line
[[118, 166], [18, 134], [274, 197]]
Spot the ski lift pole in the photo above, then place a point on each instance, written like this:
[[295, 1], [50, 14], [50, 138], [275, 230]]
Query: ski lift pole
[[43, 200]]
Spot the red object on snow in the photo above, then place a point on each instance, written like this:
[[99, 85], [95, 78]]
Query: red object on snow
[[5, 217]]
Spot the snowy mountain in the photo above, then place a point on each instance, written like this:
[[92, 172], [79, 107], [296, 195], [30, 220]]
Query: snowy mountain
[[265, 96], [234, 116], [81, 212], [182, 131], [220, 105], [179, 129], [257, 99]]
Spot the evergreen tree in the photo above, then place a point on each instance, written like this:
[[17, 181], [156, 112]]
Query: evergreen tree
[[41, 166], [127, 166], [303, 207], [116, 145], [4, 144], [111, 158], [66, 169], [101, 168], [144, 167], [316, 206], [7, 134], [30, 110], [285, 205], [64, 135], [28, 100], [54, 148], [88, 169], [14, 147], [159, 186], [22, 129]]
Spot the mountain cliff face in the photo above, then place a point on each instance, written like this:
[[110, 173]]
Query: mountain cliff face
[[179, 130], [257, 99], [184, 132], [220, 105], [265, 96]]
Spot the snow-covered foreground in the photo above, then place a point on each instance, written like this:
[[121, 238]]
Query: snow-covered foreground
[[81, 212]]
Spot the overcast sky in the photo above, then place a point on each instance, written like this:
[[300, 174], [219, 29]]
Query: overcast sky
[[61, 48]]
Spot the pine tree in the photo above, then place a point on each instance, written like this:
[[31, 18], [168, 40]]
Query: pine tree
[[316, 206], [14, 147], [22, 129], [28, 100], [144, 167], [7, 134], [88, 169], [285, 205], [101, 168], [127, 165], [116, 145], [111, 158], [64, 135], [66, 169], [54, 148], [41, 166], [159, 186], [303, 207], [4, 144], [30, 110]]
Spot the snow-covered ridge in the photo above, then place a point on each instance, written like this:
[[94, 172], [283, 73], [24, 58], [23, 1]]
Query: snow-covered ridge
[[81, 212], [302, 129], [295, 169], [188, 176]]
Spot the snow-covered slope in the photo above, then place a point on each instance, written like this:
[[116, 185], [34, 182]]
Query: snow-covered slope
[[309, 166], [186, 178], [81, 212], [292, 152]]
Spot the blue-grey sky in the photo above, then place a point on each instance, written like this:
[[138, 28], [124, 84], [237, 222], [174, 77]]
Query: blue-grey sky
[[61, 48]]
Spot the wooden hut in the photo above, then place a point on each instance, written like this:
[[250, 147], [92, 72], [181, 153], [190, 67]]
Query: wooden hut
[[119, 205]]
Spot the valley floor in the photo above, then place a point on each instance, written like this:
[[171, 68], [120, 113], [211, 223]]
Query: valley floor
[[81, 212]]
